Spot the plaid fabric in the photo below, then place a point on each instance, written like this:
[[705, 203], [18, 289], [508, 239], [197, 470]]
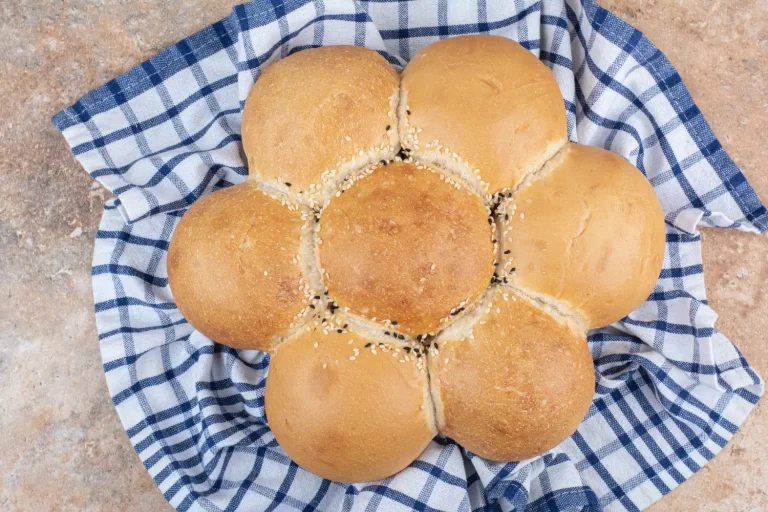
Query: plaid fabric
[[671, 390]]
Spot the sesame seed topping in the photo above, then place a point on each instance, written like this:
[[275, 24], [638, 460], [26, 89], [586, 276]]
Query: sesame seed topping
[[351, 358], [446, 361]]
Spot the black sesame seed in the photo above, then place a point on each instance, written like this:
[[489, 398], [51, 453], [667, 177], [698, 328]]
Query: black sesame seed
[[437, 346], [339, 331], [383, 162], [324, 319], [312, 306], [388, 127], [512, 269], [386, 333], [505, 280], [317, 297], [508, 251], [490, 221], [367, 345], [506, 216], [407, 349], [408, 112], [394, 323], [495, 263], [400, 336], [345, 326], [325, 292], [495, 241]]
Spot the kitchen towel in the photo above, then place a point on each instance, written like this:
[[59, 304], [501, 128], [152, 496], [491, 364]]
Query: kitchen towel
[[671, 390]]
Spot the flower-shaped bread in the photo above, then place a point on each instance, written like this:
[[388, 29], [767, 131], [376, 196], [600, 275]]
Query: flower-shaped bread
[[419, 253]]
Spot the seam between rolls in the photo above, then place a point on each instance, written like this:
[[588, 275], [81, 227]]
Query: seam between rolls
[[431, 398], [561, 311], [545, 168]]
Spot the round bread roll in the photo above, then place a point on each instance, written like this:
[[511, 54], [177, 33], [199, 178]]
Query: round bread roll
[[488, 242], [403, 245], [481, 102], [349, 406], [317, 113], [590, 232], [232, 268], [514, 382]]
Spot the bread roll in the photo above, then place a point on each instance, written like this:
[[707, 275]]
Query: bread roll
[[403, 245], [513, 382], [590, 232], [313, 115], [481, 102], [232, 268], [349, 406]]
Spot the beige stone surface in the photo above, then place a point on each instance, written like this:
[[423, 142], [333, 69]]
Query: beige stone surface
[[61, 444]]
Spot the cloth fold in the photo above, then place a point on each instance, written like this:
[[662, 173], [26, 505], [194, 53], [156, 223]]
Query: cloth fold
[[671, 390]]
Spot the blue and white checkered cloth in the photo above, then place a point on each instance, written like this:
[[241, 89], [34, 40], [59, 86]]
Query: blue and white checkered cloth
[[671, 390]]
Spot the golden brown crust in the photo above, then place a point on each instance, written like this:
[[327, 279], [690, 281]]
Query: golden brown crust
[[412, 248], [590, 233], [518, 386], [231, 267], [404, 245], [487, 99], [345, 411], [315, 108]]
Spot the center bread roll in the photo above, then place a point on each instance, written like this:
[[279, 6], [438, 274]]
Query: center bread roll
[[402, 244]]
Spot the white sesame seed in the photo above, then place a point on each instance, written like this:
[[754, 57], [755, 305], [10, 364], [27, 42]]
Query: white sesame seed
[[315, 344], [350, 342], [325, 365], [347, 138], [446, 361], [351, 358], [266, 273]]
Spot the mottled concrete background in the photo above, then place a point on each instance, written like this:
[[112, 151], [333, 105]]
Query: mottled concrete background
[[61, 444]]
